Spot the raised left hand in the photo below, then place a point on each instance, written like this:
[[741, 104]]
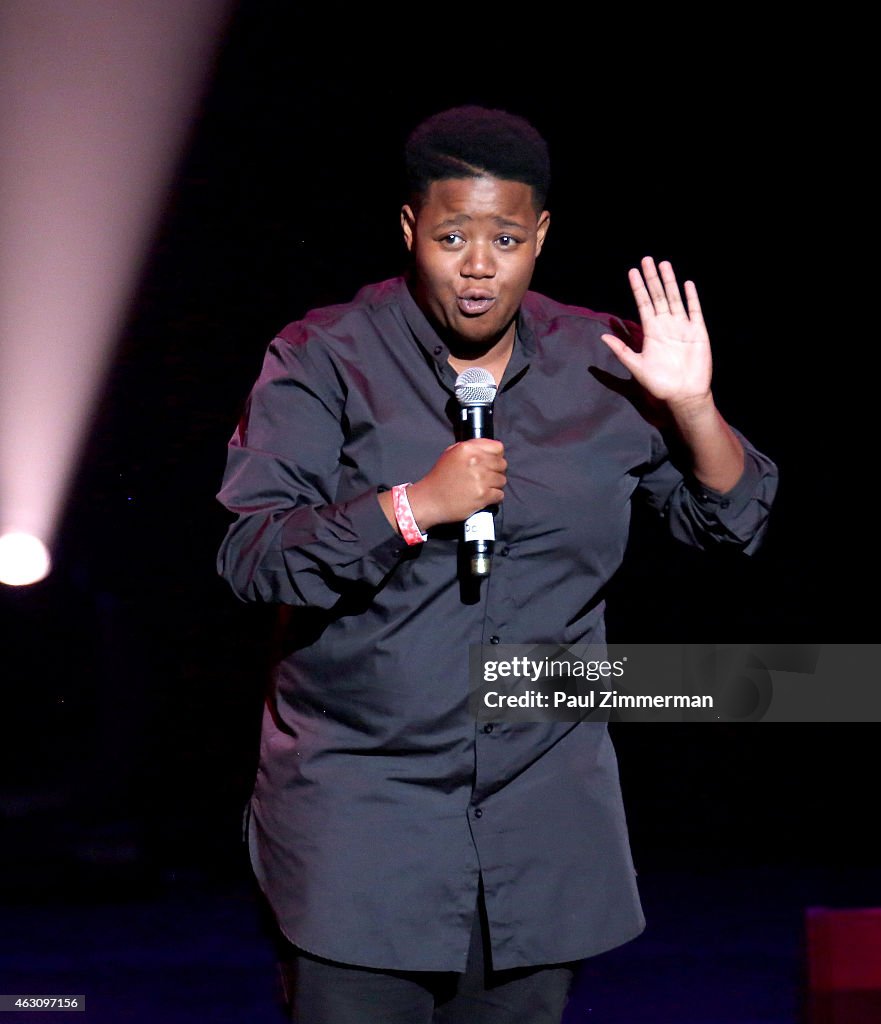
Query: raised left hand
[[675, 364]]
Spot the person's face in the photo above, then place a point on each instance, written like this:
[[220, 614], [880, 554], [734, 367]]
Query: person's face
[[474, 242]]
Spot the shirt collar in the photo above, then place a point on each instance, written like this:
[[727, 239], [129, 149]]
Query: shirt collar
[[432, 345]]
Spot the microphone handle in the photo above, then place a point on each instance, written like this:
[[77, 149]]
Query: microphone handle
[[477, 421]]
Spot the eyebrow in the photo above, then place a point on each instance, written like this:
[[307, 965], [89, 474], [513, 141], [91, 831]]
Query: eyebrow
[[461, 218]]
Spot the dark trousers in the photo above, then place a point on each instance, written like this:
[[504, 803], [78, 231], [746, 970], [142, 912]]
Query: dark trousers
[[319, 991]]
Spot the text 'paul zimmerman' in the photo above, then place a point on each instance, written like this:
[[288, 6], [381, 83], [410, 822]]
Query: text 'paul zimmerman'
[[592, 671]]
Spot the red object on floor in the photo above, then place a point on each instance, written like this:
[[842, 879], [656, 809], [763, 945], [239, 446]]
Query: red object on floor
[[843, 965]]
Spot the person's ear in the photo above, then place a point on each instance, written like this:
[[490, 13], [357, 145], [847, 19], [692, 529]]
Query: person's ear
[[408, 226], [544, 222]]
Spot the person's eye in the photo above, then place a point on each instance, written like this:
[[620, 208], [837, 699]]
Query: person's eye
[[451, 241], [507, 241]]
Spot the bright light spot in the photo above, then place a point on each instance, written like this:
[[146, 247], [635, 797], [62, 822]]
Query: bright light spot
[[23, 559], [96, 99]]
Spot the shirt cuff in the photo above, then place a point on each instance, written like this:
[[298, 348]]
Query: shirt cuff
[[738, 496], [379, 541]]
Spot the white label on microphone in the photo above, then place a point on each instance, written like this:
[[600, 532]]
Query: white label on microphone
[[480, 526]]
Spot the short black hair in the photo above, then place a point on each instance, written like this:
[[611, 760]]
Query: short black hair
[[470, 141]]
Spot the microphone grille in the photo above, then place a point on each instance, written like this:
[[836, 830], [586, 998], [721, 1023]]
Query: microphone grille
[[475, 386]]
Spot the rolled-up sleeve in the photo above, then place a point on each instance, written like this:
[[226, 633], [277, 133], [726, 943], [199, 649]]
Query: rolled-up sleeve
[[291, 541], [702, 517]]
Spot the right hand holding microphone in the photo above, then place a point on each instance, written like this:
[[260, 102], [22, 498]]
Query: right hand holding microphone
[[468, 476]]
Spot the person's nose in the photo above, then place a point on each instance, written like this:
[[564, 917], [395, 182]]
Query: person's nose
[[479, 260]]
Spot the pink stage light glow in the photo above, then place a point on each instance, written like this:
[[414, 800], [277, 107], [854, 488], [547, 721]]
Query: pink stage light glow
[[96, 99]]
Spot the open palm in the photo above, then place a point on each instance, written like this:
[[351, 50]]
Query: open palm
[[675, 364]]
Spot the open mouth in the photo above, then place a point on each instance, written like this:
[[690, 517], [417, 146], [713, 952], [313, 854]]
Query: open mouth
[[474, 305]]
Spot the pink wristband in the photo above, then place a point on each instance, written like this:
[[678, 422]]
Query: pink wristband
[[404, 516]]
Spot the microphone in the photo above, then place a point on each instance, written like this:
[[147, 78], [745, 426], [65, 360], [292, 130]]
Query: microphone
[[476, 392]]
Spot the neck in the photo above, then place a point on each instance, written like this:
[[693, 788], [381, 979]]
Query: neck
[[494, 357]]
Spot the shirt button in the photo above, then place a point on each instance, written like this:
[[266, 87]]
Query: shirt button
[[494, 640], [488, 728], [478, 813], [505, 551], [437, 350]]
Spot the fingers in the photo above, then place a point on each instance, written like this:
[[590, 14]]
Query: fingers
[[468, 476], [644, 303], [621, 349], [485, 444], [489, 466], [656, 290], [654, 286], [694, 307], [671, 288]]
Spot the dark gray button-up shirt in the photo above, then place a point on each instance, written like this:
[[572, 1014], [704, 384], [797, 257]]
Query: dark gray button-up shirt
[[379, 801]]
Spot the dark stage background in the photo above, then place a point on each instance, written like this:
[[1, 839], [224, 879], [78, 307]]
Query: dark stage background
[[132, 679]]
